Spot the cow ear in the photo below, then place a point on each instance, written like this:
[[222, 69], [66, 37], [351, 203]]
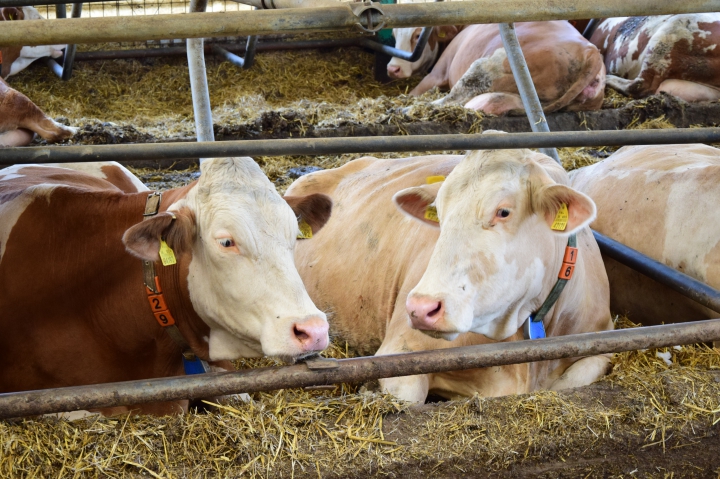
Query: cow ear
[[445, 33], [314, 209], [418, 202], [549, 201], [177, 228], [11, 13]]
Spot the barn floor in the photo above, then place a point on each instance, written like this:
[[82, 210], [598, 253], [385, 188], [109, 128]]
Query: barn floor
[[650, 418]]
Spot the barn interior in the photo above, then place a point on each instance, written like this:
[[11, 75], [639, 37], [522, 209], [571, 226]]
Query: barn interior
[[655, 415]]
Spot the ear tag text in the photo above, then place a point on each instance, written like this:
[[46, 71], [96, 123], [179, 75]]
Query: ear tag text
[[561, 219], [167, 256], [431, 214], [434, 179], [305, 230]]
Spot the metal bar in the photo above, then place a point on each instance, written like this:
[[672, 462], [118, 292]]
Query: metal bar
[[524, 82], [590, 28], [198, 82], [71, 49], [663, 274], [354, 370], [236, 60], [336, 146], [412, 56], [263, 22]]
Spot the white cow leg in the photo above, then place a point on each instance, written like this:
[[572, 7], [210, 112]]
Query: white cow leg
[[18, 137], [478, 79], [621, 85], [689, 91], [408, 388], [495, 103], [582, 372]]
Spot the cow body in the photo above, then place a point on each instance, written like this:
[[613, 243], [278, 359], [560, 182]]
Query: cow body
[[661, 201], [567, 70], [370, 256], [676, 54], [17, 58], [75, 308]]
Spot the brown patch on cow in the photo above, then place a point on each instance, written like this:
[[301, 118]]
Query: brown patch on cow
[[9, 54], [315, 209], [119, 178]]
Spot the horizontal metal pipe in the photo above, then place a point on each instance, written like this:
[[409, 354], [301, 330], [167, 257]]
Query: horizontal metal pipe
[[335, 146], [663, 274], [262, 22], [353, 370]]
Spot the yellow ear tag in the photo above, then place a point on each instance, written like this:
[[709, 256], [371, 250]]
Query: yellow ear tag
[[561, 219], [434, 179], [305, 230], [167, 256], [431, 214]]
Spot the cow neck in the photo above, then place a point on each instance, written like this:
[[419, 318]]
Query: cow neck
[[163, 282], [534, 326]]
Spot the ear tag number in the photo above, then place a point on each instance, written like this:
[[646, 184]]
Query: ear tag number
[[434, 179], [431, 214], [561, 219], [167, 256], [305, 230]]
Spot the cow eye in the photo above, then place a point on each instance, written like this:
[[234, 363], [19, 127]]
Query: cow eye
[[502, 213], [226, 242]]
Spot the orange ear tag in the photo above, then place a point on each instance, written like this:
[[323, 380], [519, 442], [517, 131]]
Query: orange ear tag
[[431, 214], [561, 219], [434, 179], [167, 256], [305, 230]]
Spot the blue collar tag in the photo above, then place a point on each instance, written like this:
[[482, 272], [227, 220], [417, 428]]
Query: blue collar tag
[[533, 329], [195, 366]]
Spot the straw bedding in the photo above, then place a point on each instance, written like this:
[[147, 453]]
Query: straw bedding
[[636, 422]]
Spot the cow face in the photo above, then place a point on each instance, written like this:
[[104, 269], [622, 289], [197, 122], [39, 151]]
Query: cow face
[[406, 39], [496, 254], [240, 236], [16, 59]]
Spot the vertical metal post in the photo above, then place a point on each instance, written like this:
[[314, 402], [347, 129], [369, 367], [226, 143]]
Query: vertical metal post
[[529, 97], [198, 82]]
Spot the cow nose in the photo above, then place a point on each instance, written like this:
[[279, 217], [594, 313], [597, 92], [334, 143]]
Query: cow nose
[[311, 334], [393, 70], [424, 313]]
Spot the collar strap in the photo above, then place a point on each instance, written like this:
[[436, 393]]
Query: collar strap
[[534, 328], [192, 364]]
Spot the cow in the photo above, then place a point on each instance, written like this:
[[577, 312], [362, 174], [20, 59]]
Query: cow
[[661, 201], [567, 70], [675, 54], [16, 59], [77, 307], [472, 278], [20, 119]]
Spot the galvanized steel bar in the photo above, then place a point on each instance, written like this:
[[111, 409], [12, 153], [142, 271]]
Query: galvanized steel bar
[[412, 56], [336, 146], [663, 274], [525, 85], [263, 22], [236, 60], [353, 370], [198, 82]]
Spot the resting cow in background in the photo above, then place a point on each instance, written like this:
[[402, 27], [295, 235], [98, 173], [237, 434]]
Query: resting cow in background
[[76, 309], [567, 70], [15, 59], [20, 117], [489, 266], [676, 54], [662, 201]]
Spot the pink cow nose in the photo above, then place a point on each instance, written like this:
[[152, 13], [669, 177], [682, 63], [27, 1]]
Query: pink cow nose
[[311, 334], [393, 70], [425, 313]]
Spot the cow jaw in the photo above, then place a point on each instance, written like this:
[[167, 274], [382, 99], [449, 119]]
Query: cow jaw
[[494, 261]]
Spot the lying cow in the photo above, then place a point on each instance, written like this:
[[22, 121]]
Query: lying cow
[[484, 268], [16, 59], [76, 308], [661, 201], [676, 54], [20, 118], [567, 70]]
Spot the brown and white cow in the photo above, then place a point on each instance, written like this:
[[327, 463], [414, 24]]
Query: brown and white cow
[[662, 201], [74, 305], [489, 263], [20, 119], [676, 54], [567, 70], [16, 59]]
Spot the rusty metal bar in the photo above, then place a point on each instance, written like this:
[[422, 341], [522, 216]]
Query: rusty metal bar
[[336, 146], [263, 22], [353, 370]]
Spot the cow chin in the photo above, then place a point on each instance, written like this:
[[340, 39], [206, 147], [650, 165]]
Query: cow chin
[[440, 334], [226, 346]]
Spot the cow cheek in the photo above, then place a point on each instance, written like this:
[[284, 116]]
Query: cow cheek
[[223, 345]]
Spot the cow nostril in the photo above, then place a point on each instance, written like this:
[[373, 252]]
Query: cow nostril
[[435, 311], [300, 334]]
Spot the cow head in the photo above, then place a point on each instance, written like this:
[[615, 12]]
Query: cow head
[[407, 38], [238, 236], [16, 59], [496, 256]]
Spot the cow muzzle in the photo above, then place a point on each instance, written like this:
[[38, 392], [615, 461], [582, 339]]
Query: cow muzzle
[[310, 335]]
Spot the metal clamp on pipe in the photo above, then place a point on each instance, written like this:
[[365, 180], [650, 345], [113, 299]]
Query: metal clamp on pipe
[[374, 17]]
